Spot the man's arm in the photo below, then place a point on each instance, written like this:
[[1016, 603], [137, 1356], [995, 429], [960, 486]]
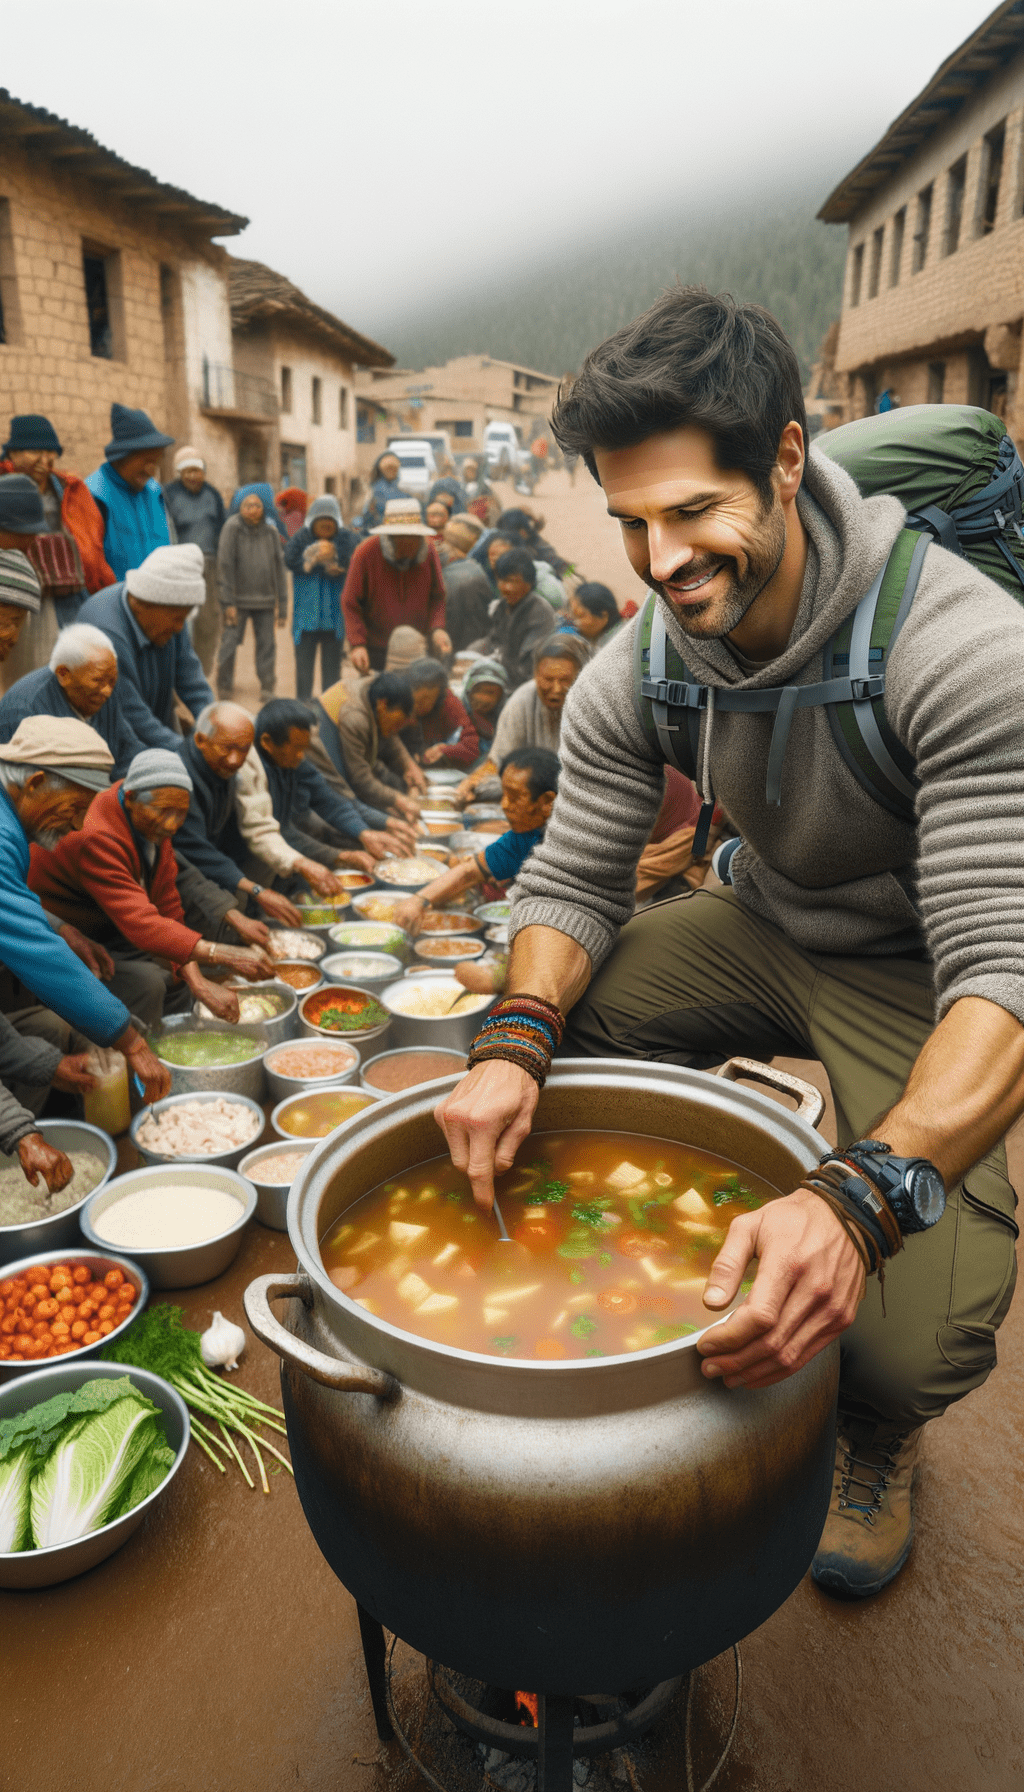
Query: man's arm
[[140, 719], [338, 811]]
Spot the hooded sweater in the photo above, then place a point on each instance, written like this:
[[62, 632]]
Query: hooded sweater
[[830, 867], [250, 566]]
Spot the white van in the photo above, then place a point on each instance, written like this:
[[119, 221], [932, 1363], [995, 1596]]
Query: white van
[[417, 463], [502, 449]]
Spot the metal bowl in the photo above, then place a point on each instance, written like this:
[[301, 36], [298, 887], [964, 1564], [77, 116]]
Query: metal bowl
[[494, 914], [223, 1160], [305, 933], [62, 1561], [282, 1025], [467, 842], [355, 882], [103, 1259], [62, 1228], [497, 935], [365, 936], [283, 1108], [364, 904], [331, 913], [457, 921], [245, 1078], [468, 948], [373, 970], [281, 1086], [440, 777], [272, 1197], [284, 964], [484, 812], [409, 886], [178, 1266], [455, 1030], [357, 1037], [456, 1063]]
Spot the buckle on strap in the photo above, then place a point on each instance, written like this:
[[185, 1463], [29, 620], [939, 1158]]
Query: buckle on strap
[[674, 693], [864, 690]]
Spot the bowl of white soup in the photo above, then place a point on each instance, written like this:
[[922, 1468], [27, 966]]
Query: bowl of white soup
[[183, 1224]]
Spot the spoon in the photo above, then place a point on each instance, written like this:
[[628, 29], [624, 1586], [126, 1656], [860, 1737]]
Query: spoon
[[503, 1237]]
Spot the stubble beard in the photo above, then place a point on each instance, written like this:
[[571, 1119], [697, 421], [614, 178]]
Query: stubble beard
[[720, 615]]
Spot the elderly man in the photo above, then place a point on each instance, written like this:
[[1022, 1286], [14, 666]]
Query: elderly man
[[197, 511], [50, 771], [145, 617], [469, 593], [116, 879], [520, 619], [369, 720], [394, 580], [126, 489], [80, 681], [315, 819], [19, 597], [532, 717]]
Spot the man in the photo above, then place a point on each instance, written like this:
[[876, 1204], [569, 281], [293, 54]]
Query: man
[[196, 509], [314, 819], [127, 491], [520, 619], [369, 722], [115, 878], [441, 730], [327, 754], [532, 716], [50, 771], [19, 597], [80, 681], [393, 580], [846, 931], [145, 617], [253, 582], [468, 593]]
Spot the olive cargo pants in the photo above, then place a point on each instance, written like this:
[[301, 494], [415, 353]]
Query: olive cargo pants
[[698, 979]]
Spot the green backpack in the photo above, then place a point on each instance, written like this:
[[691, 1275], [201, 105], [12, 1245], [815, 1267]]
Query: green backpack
[[959, 475]]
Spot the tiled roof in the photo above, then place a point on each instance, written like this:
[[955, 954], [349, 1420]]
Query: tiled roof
[[258, 294], [985, 52], [68, 148]]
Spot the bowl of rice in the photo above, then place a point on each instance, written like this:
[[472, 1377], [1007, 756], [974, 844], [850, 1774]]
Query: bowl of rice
[[434, 1009], [372, 970], [272, 1169], [209, 1128], [376, 905], [290, 942], [31, 1219], [406, 874]]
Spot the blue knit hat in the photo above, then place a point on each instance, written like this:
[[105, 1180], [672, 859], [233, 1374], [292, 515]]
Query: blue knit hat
[[32, 432], [133, 433], [21, 507]]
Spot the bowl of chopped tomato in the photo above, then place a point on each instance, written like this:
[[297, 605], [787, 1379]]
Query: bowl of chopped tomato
[[65, 1306], [343, 1011]]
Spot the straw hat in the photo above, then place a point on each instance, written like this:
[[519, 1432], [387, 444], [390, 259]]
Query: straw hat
[[402, 516]]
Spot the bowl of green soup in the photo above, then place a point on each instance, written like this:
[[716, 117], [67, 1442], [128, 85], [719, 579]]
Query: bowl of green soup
[[208, 1056]]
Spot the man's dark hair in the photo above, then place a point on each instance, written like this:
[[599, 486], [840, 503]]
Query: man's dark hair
[[278, 717], [597, 598], [427, 674], [518, 526], [517, 560], [392, 689], [694, 358], [541, 764]]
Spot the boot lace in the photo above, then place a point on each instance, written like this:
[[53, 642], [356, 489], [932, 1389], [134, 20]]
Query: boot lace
[[881, 1472]]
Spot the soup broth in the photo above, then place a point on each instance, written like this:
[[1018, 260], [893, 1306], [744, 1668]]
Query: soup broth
[[616, 1233]]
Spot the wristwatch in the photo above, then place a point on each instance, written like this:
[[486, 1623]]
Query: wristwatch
[[912, 1186], [257, 890]]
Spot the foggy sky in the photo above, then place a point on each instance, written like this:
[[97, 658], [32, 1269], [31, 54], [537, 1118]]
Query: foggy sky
[[392, 154]]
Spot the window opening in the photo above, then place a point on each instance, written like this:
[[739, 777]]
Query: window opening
[[899, 226], [922, 229]]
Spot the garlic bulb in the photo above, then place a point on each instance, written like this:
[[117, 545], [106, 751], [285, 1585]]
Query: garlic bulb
[[222, 1343]]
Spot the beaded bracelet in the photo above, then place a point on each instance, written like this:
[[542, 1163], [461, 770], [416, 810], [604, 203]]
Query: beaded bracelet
[[523, 1030]]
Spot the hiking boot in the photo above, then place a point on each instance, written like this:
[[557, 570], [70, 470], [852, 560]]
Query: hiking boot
[[870, 1525]]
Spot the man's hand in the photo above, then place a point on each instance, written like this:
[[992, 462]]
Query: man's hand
[[442, 640], [318, 877], [485, 1120], [408, 807], [464, 792], [40, 1159], [434, 755], [414, 778], [254, 964], [356, 861], [96, 958], [409, 914], [230, 615], [73, 1074], [809, 1284], [278, 906], [359, 660], [254, 933], [154, 1076], [401, 835], [376, 844], [218, 998]]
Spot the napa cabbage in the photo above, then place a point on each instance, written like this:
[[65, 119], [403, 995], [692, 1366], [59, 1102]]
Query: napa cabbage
[[15, 1522], [87, 1477]]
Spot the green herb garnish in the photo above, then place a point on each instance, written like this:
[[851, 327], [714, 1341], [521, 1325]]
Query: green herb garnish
[[665, 1334], [583, 1326], [504, 1343], [580, 1242], [551, 1193], [605, 1260], [588, 1214]]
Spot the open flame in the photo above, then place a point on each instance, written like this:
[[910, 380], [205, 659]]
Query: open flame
[[527, 1703]]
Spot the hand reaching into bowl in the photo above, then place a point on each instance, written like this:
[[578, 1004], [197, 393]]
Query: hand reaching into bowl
[[40, 1159], [409, 914]]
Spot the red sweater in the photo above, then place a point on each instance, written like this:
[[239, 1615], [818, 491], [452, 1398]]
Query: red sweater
[[442, 723], [378, 598], [94, 878]]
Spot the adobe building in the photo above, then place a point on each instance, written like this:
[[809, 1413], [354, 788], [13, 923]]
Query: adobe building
[[933, 297], [460, 397]]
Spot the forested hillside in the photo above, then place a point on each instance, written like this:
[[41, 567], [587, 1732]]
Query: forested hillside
[[563, 304]]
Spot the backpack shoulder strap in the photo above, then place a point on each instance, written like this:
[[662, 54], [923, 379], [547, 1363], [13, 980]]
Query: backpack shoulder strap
[[662, 680]]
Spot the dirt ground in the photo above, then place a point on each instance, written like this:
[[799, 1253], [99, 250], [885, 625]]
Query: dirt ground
[[217, 1653]]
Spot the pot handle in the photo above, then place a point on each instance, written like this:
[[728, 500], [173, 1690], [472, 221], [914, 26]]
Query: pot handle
[[811, 1100], [355, 1378]]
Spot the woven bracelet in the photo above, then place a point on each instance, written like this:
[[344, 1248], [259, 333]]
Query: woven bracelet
[[511, 1054], [528, 1007]]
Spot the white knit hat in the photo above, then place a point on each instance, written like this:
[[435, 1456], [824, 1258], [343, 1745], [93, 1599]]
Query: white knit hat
[[188, 457], [172, 576]]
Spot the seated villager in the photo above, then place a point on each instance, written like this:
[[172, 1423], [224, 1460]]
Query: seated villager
[[468, 591], [592, 612], [394, 580], [115, 878], [317, 556], [532, 717], [327, 754], [19, 600], [441, 732], [484, 690], [80, 681], [315, 819], [500, 540], [145, 617], [127, 491], [519, 620], [369, 721], [50, 772]]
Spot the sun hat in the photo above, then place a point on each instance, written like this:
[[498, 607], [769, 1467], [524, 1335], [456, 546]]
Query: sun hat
[[18, 583], [188, 457], [171, 576], [31, 431], [21, 507], [132, 433], [157, 768], [402, 516], [63, 745]]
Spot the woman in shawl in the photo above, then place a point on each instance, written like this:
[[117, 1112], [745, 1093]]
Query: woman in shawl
[[291, 504], [484, 690], [383, 487], [317, 557]]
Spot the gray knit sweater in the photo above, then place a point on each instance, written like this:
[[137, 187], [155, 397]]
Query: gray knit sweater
[[830, 867]]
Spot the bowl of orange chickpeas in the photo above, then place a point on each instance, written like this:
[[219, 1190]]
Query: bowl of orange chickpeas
[[65, 1306]]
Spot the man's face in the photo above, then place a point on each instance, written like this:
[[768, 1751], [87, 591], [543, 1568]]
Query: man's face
[[161, 815], [47, 814], [36, 462], [702, 537], [12, 621], [389, 467], [158, 622], [484, 698], [438, 516], [469, 471], [290, 753], [523, 811], [193, 478], [136, 469], [405, 547], [514, 588], [554, 680], [225, 750], [587, 625], [251, 510], [497, 546], [389, 721], [87, 687], [325, 528]]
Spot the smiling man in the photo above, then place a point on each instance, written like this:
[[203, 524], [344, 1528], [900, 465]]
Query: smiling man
[[849, 934]]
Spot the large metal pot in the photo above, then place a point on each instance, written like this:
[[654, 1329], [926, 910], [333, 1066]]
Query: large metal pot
[[556, 1525]]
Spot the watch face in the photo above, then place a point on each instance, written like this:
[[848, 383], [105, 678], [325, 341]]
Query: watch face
[[927, 1191]]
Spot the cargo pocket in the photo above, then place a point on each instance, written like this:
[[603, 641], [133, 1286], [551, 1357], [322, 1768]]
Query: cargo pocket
[[985, 1271]]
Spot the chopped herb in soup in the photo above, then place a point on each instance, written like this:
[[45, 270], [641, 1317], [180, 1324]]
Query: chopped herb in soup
[[613, 1234], [200, 1050]]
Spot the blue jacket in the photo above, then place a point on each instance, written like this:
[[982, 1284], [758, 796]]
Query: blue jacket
[[38, 957], [294, 794], [316, 600], [39, 693], [134, 522], [148, 676], [208, 827]]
